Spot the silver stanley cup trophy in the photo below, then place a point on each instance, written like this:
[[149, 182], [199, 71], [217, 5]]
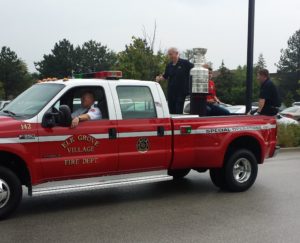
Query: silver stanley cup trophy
[[199, 74], [199, 83]]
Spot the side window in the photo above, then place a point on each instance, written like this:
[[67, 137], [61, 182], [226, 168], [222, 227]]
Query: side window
[[72, 98], [57, 105], [136, 102]]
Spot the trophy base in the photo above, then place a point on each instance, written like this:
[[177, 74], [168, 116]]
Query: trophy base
[[198, 104]]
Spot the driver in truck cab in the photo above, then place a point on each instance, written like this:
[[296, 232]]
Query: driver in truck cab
[[88, 110]]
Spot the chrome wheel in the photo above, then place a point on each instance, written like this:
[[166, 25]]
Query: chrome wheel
[[4, 193], [242, 170]]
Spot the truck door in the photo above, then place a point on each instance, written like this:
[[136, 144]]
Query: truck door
[[89, 149], [144, 133]]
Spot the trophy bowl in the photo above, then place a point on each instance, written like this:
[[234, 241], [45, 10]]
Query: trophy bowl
[[199, 54], [200, 51]]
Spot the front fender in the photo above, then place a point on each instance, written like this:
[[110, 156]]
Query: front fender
[[28, 153]]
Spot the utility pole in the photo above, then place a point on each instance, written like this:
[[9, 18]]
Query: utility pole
[[250, 48]]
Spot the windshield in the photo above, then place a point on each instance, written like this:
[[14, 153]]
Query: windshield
[[32, 100]]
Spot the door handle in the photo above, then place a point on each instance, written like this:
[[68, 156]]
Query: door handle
[[160, 131], [112, 133]]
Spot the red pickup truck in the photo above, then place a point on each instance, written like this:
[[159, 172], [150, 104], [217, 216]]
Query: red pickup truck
[[135, 134]]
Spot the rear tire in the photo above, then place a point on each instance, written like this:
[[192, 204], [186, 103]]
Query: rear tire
[[240, 170], [179, 173], [217, 177], [10, 192]]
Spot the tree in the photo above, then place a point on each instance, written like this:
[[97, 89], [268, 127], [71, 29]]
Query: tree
[[288, 100], [290, 57], [189, 55], [2, 93], [65, 59], [224, 84], [231, 85], [14, 75], [138, 61], [150, 38], [60, 63], [93, 56], [289, 69], [261, 63]]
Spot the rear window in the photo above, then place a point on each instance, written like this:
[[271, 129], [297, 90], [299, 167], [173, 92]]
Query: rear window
[[136, 102]]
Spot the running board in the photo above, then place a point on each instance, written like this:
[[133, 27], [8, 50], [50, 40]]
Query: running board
[[99, 185]]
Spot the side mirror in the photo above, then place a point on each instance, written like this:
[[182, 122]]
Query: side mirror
[[49, 120], [59, 118], [65, 117]]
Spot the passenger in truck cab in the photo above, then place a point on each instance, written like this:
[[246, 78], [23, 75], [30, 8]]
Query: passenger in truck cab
[[88, 110]]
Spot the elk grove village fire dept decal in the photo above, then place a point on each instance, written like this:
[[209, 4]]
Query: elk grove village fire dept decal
[[142, 145], [80, 144]]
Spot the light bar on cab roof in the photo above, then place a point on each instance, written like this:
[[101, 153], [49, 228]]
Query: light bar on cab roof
[[101, 75]]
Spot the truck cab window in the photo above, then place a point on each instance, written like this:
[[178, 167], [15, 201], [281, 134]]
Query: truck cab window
[[136, 102], [73, 99]]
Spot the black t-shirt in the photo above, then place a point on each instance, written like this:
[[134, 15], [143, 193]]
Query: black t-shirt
[[178, 77], [269, 93]]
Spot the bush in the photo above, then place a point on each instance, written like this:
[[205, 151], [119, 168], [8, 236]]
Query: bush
[[289, 135]]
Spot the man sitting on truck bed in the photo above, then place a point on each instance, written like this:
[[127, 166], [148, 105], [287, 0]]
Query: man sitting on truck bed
[[269, 100], [213, 102], [88, 110]]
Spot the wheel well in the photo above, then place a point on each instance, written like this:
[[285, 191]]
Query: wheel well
[[17, 165], [245, 142]]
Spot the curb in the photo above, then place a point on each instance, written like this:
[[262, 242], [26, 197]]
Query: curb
[[289, 149]]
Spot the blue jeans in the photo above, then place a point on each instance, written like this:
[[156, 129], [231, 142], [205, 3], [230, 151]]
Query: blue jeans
[[176, 104], [216, 110]]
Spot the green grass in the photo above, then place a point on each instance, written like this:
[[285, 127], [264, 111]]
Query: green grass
[[289, 136]]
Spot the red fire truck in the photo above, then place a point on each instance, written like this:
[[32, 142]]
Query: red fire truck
[[135, 135]]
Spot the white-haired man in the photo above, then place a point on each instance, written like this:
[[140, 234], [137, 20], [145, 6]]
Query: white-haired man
[[177, 73]]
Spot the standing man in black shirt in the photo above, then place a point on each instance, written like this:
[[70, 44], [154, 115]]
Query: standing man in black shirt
[[177, 73], [269, 101]]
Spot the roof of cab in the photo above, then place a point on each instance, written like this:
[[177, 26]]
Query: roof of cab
[[83, 82]]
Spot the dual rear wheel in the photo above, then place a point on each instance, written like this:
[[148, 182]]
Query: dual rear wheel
[[239, 172], [237, 175]]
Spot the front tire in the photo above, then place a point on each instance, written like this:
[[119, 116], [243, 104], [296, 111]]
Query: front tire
[[179, 173], [10, 192], [240, 170]]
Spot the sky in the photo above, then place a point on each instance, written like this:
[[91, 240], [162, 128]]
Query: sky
[[32, 27]]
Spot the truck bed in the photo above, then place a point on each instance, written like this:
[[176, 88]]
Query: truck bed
[[208, 138]]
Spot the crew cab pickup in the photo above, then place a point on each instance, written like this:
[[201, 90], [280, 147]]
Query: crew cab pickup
[[135, 134]]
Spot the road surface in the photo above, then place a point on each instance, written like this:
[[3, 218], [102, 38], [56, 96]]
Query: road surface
[[192, 210]]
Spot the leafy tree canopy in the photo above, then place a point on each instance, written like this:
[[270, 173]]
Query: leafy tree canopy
[[138, 61], [14, 75], [289, 69], [65, 59]]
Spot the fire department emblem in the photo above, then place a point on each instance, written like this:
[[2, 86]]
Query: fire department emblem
[[142, 145]]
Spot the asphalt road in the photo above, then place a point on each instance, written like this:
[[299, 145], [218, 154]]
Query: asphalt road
[[190, 211]]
